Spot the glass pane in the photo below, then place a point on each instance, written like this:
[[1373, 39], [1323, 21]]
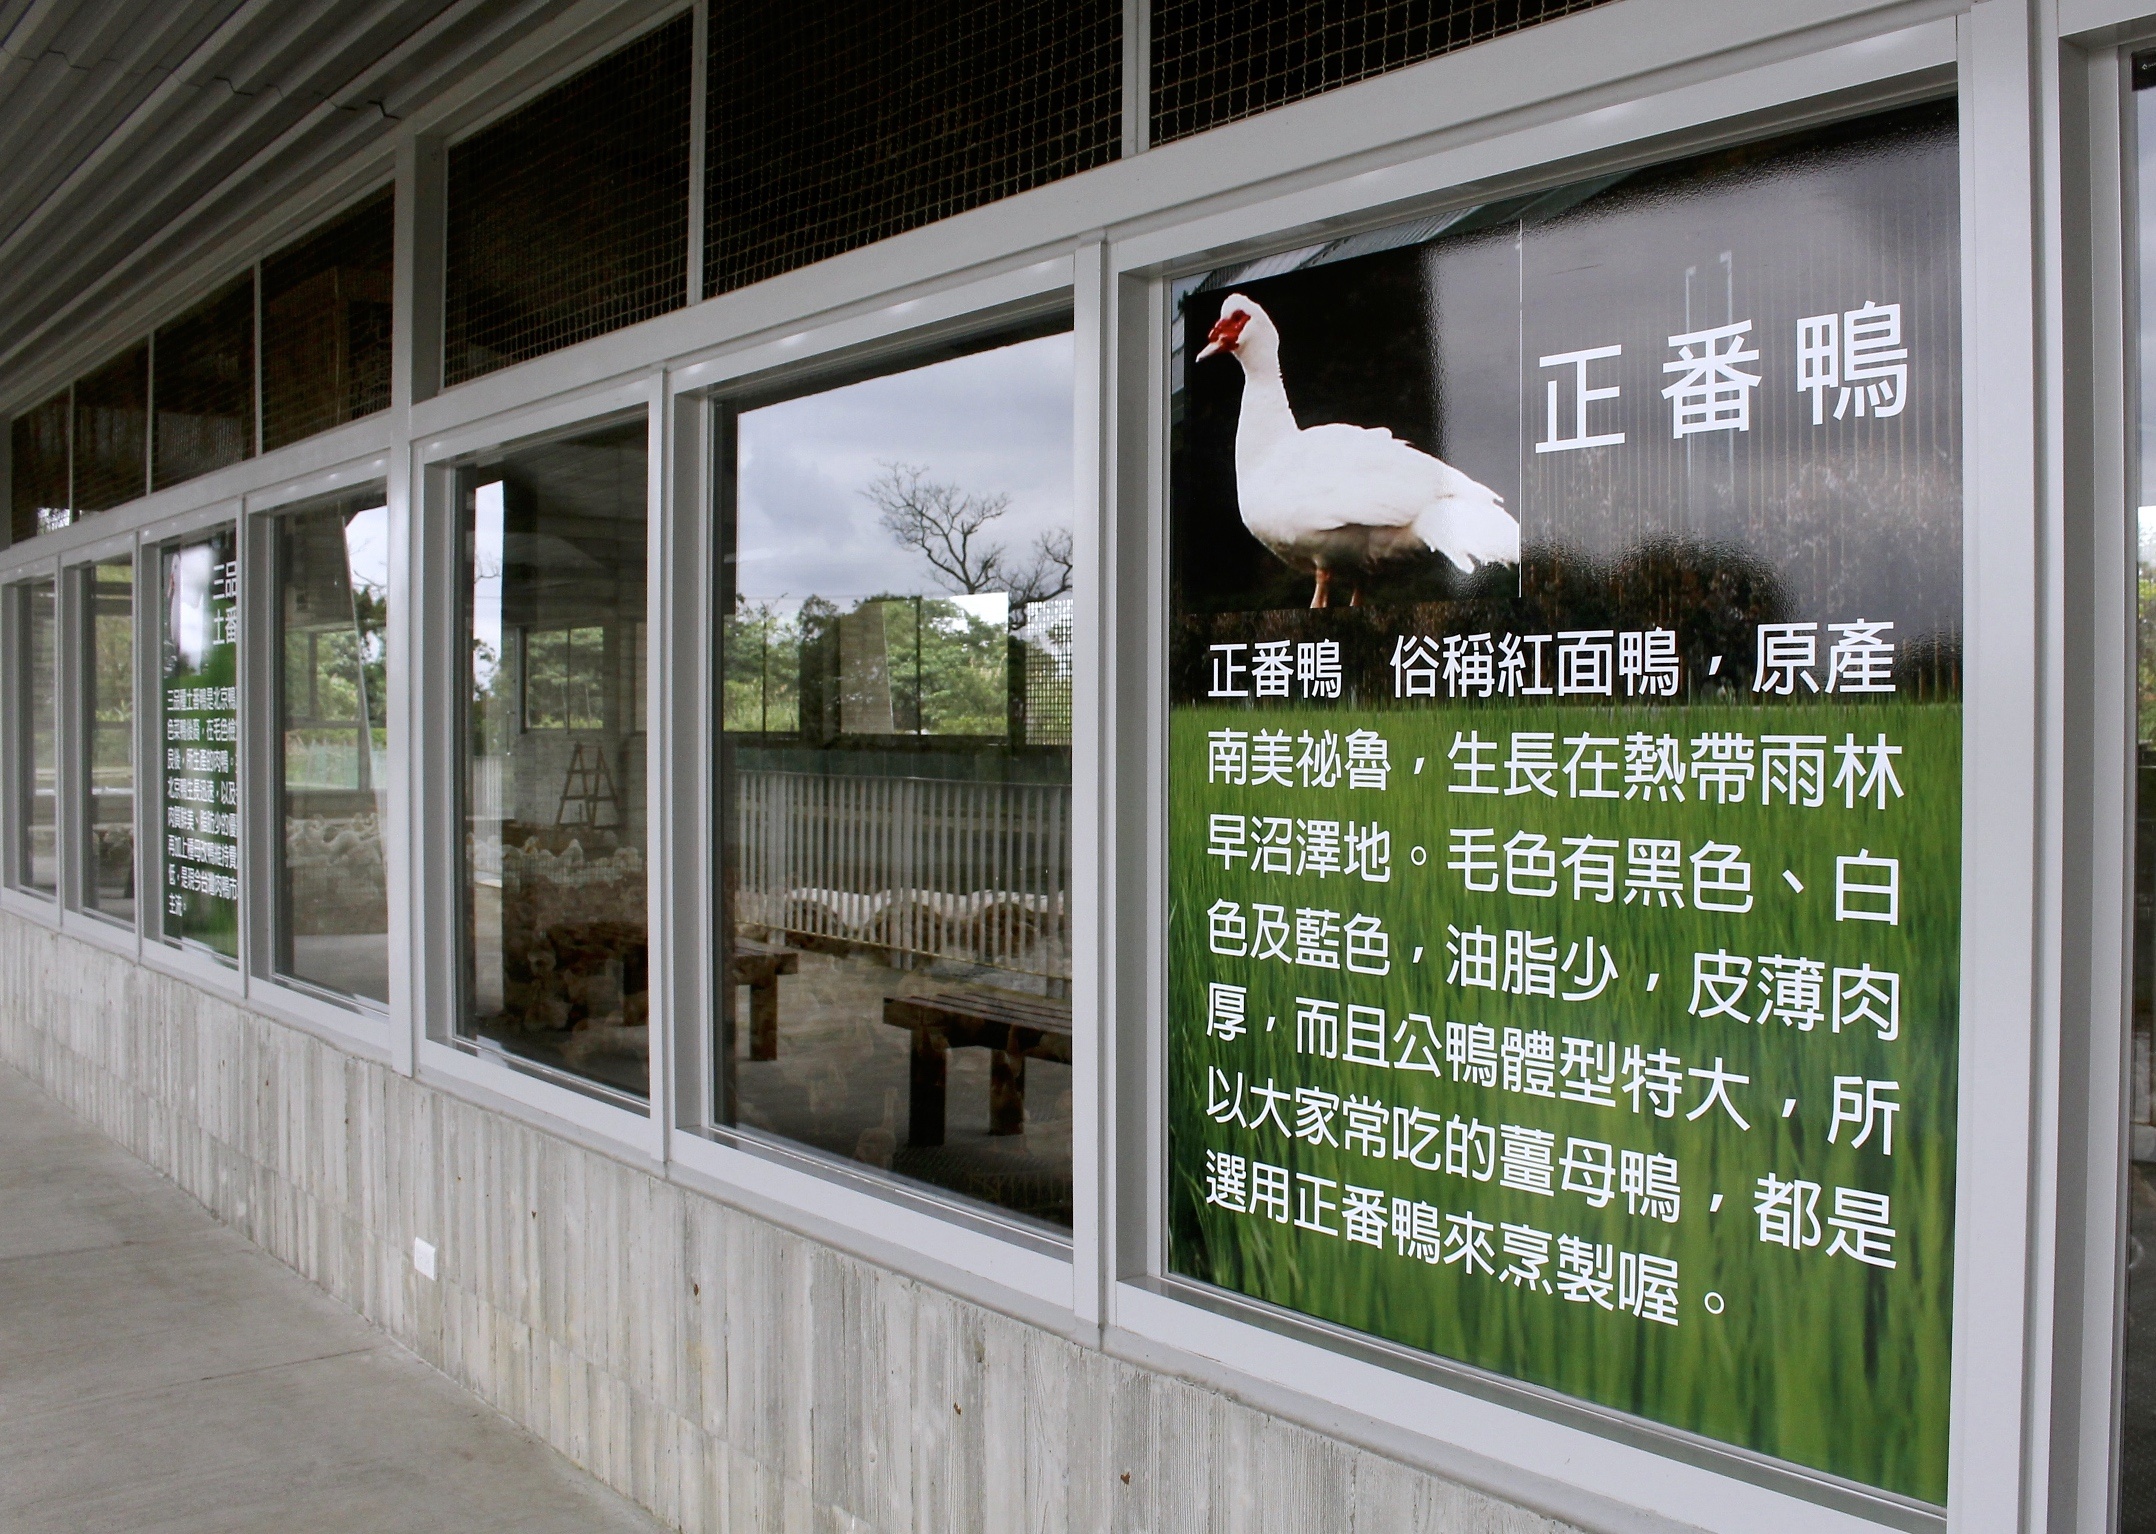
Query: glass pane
[[203, 366], [112, 437], [108, 730], [39, 869], [332, 651], [38, 500], [570, 217], [897, 775], [200, 715], [325, 325], [555, 952], [2137, 1458]]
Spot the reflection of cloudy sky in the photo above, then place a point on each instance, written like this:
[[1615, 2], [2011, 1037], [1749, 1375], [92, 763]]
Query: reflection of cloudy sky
[[996, 422], [366, 546]]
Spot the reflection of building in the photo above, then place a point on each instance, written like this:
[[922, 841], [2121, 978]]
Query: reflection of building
[[832, 1030]]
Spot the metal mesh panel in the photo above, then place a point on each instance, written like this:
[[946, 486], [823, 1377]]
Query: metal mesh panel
[[570, 218], [38, 454], [824, 138], [112, 409], [1215, 62], [325, 325], [205, 386]]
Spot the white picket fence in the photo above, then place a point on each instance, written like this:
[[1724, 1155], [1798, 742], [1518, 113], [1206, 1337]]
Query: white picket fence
[[927, 867]]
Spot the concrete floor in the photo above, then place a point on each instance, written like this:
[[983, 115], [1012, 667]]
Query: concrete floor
[[160, 1373]]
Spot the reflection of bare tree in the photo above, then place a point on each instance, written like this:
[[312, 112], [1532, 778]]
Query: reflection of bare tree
[[945, 525]]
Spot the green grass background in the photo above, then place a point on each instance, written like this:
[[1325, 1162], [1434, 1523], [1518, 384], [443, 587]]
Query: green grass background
[[1820, 1360]]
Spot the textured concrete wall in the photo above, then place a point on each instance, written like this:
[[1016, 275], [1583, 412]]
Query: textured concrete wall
[[726, 1373]]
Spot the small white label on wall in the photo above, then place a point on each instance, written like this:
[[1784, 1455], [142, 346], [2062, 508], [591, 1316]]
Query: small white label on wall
[[423, 1257]]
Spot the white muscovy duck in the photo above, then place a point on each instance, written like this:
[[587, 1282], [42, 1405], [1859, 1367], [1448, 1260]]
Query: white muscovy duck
[[1343, 499]]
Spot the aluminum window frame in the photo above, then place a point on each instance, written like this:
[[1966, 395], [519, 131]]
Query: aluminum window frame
[[2099, 405], [434, 679], [14, 726], [358, 1018], [77, 918], [1499, 1432], [227, 978], [1014, 1265]]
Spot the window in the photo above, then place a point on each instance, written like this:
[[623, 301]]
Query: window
[[36, 620], [896, 774], [1563, 965], [325, 325], [823, 139], [198, 718], [570, 217], [39, 496], [555, 939], [204, 363], [1216, 62], [108, 737], [332, 613], [112, 432]]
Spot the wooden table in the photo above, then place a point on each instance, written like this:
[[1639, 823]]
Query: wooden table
[[758, 966], [1013, 1028]]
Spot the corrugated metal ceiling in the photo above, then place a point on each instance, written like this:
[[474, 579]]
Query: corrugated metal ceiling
[[135, 136]]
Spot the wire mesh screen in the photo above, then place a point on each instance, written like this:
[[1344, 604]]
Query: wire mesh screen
[[1214, 62], [112, 431], [38, 496], [570, 218], [1043, 631], [205, 386], [325, 325], [822, 139]]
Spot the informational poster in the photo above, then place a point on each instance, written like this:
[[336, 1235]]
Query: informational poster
[[200, 725], [1565, 790]]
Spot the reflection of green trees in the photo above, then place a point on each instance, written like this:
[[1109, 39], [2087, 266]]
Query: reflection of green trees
[[2145, 665], [112, 684], [762, 645], [948, 667], [565, 678], [336, 680]]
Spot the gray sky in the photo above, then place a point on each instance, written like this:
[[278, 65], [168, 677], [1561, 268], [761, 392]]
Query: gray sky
[[993, 422]]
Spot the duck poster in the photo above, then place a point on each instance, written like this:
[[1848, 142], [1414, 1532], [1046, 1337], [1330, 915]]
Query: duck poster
[[1565, 793]]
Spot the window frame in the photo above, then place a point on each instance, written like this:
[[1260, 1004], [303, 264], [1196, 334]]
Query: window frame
[[357, 1018], [1501, 1431], [15, 895], [183, 962], [1014, 1265], [2101, 407], [78, 919], [437, 616]]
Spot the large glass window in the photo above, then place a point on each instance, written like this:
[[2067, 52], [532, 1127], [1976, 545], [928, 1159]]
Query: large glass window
[[198, 719], [896, 774], [332, 609], [555, 959], [36, 620], [108, 737]]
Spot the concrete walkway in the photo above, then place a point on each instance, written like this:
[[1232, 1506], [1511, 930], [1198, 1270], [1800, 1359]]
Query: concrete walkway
[[160, 1373]]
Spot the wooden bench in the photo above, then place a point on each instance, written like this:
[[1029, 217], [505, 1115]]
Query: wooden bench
[[758, 966], [1012, 1028]]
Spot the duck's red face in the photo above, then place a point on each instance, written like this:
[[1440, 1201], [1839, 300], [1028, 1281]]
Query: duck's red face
[[1226, 331]]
